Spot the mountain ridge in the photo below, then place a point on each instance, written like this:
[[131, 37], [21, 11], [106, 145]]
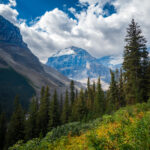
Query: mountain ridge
[[18, 61]]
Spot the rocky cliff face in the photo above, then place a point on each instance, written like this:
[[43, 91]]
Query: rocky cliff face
[[10, 33]]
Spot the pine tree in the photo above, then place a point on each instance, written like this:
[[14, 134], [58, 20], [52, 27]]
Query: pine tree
[[135, 64], [144, 74], [76, 94], [122, 101], [148, 82], [112, 95], [16, 127], [94, 88], [72, 92], [79, 109], [43, 113], [54, 119], [99, 102], [61, 105], [65, 112], [89, 97], [3, 128], [31, 123]]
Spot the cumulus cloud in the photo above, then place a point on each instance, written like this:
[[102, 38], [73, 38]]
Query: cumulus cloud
[[89, 29], [8, 12]]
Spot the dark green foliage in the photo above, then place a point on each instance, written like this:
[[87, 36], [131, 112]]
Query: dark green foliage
[[99, 102], [12, 84], [31, 122], [61, 105], [54, 117], [43, 113], [16, 129], [66, 111], [148, 80], [89, 101], [3, 128], [79, 109], [72, 92], [135, 65], [121, 93], [112, 95], [75, 128], [94, 88]]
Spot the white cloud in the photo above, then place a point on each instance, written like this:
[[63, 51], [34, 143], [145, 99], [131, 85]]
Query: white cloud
[[72, 10], [12, 3], [8, 12], [89, 30]]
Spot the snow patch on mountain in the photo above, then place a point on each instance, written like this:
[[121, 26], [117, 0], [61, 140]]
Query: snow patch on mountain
[[66, 51], [88, 65]]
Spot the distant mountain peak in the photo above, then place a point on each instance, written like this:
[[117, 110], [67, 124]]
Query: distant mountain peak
[[10, 33], [77, 64], [66, 51], [71, 51]]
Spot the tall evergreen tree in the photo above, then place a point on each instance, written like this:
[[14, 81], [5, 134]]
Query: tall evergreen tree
[[76, 94], [112, 94], [72, 92], [121, 93], [148, 82], [31, 122], [61, 104], [3, 128], [94, 88], [43, 113], [66, 112], [79, 109], [16, 127], [54, 118], [90, 100], [135, 64], [99, 102]]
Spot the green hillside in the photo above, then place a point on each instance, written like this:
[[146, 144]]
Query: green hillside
[[126, 129], [12, 84]]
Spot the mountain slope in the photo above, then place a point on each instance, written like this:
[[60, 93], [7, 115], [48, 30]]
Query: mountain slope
[[12, 84], [78, 64], [15, 55], [128, 128]]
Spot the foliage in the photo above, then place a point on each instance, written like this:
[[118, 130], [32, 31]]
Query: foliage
[[128, 128], [16, 126], [12, 84], [135, 65]]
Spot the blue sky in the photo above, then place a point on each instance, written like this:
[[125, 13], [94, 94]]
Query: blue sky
[[30, 9], [99, 26]]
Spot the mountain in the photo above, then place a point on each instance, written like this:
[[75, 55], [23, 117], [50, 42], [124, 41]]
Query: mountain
[[111, 62], [78, 64], [20, 71]]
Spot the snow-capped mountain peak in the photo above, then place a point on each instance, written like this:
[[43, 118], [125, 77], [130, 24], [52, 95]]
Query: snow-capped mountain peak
[[66, 51], [78, 64]]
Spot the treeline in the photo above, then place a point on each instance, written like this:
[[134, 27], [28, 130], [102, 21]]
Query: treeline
[[50, 111], [129, 85]]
